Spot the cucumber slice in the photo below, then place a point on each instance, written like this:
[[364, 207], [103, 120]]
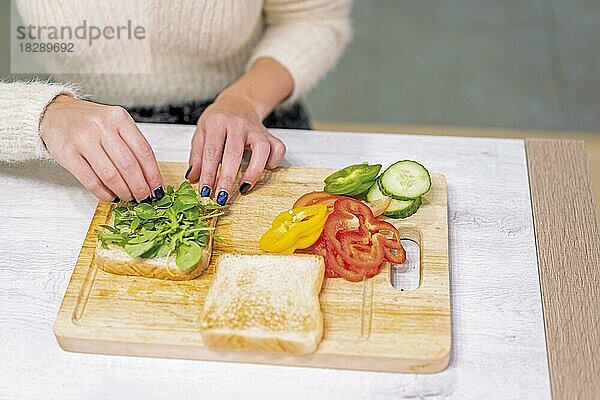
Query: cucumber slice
[[402, 208], [405, 180], [374, 192], [397, 208]]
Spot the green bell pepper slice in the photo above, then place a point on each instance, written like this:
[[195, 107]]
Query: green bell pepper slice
[[352, 180]]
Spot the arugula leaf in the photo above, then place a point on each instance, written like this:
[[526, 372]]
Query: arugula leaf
[[144, 211], [174, 224], [135, 223], [187, 199], [163, 251], [165, 202], [152, 251], [110, 228], [136, 250], [191, 214], [179, 206], [146, 236], [148, 225], [188, 255], [186, 188]]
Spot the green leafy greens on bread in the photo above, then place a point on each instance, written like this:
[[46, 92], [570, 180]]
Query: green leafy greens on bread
[[177, 225]]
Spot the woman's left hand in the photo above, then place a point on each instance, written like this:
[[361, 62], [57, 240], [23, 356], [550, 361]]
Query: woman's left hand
[[224, 130]]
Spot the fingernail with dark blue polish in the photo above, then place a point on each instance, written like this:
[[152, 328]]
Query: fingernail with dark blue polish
[[188, 171], [222, 198], [116, 200], [205, 192], [159, 193], [245, 187]]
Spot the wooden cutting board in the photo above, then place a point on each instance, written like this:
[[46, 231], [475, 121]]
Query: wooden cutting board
[[368, 325]]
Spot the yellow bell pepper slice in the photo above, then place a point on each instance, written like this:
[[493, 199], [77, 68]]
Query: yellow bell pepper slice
[[294, 229]]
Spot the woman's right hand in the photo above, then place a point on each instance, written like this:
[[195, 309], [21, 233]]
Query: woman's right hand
[[103, 148]]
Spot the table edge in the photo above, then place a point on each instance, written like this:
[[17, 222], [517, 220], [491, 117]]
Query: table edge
[[564, 213]]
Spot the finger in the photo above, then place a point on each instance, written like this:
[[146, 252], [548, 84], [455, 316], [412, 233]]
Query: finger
[[107, 172], [261, 148], [195, 161], [277, 153], [211, 157], [81, 170], [230, 165], [143, 153], [127, 165]]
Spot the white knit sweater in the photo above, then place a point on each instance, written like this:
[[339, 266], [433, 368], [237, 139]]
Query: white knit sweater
[[198, 48]]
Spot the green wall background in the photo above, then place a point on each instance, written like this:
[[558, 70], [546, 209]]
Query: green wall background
[[517, 64]]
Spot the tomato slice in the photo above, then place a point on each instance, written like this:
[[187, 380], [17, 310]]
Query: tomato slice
[[356, 248], [319, 248], [312, 198], [354, 243], [399, 257], [379, 206], [351, 206], [359, 250], [375, 225], [330, 273], [336, 265]]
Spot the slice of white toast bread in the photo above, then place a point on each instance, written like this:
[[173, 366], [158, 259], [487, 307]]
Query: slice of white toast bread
[[265, 303], [115, 260]]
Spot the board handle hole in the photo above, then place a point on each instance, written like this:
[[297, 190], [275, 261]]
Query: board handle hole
[[406, 277]]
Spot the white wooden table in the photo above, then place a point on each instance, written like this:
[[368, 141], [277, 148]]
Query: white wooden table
[[499, 346]]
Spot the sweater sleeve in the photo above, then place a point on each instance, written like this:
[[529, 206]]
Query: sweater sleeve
[[305, 36], [22, 105]]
